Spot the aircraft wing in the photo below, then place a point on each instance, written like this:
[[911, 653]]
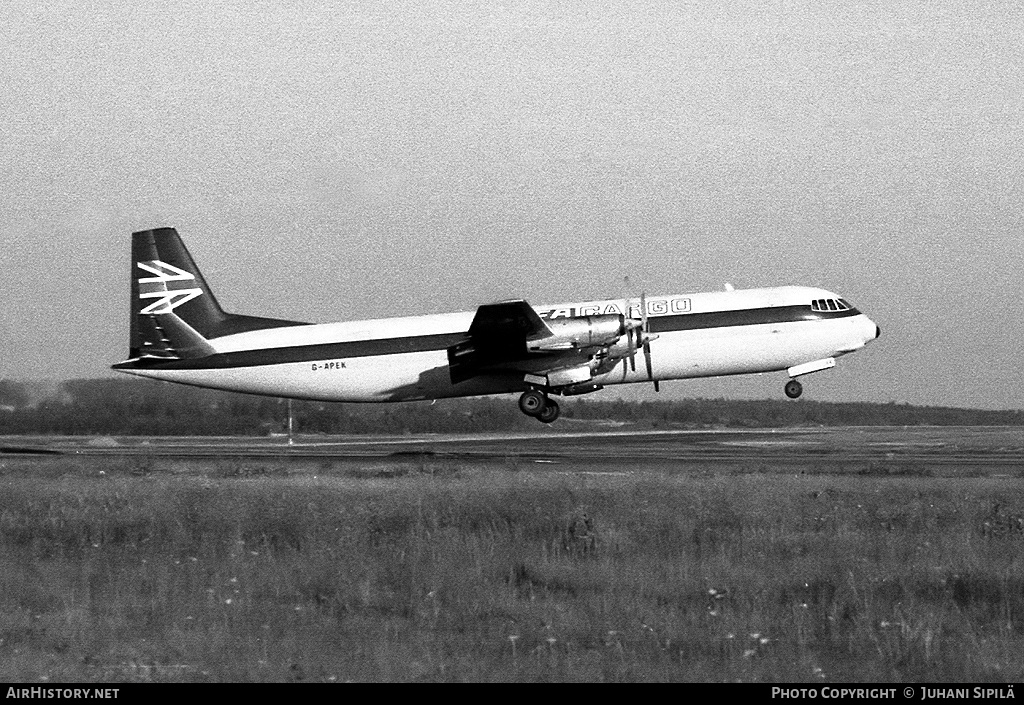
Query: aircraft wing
[[499, 341], [506, 326], [509, 337]]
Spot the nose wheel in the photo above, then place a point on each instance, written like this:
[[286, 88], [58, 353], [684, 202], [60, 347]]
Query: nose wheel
[[794, 389], [536, 404]]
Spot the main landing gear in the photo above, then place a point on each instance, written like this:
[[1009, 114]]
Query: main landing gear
[[536, 403], [794, 389]]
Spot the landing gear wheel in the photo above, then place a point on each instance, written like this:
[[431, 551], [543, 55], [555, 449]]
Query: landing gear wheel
[[794, 389], [532, 402], [549, 413]]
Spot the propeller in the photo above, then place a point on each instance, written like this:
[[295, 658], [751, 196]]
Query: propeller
[[642, 331], [630, 324], [632, 343], [645, 326]]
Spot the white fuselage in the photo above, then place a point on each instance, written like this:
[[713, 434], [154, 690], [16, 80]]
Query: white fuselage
[[399, 359]]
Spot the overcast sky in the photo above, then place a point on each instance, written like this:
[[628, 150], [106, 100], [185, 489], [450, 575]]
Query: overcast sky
[[335, 160]]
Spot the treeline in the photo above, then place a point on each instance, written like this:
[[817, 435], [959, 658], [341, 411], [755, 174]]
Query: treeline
[[125, 407], [769, 413], [140, 407]]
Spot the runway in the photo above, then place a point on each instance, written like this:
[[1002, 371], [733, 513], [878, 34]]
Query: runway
[[946, 450]]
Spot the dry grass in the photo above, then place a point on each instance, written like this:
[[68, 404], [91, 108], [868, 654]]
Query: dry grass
[[451, 572]]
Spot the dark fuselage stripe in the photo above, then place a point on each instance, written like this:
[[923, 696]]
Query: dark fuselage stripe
[[443, 341], [322, 351], [743, 317]]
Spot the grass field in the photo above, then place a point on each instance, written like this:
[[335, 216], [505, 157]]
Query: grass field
[[407, 571]]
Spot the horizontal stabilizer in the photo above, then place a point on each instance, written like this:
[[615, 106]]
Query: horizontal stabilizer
[[185, 342]]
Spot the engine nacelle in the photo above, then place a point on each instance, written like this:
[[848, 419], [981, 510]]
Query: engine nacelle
[[582, 332], [577, 389]]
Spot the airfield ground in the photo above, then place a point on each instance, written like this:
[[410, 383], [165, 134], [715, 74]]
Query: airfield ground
[[938, 450], [797, 555]]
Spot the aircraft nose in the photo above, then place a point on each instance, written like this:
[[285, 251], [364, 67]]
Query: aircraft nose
[[870, 330]]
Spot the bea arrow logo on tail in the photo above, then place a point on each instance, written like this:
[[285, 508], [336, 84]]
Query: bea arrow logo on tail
[[166, 299]]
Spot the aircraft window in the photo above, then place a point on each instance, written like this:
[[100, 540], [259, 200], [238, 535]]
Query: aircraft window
[[830, 305]]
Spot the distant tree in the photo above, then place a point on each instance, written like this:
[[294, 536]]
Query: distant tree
[[13, 394]]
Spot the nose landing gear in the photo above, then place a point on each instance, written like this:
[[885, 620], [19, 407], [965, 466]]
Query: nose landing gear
[[537, 404], [794, 389]]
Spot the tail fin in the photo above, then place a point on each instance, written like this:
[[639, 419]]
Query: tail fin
[[173, 310]]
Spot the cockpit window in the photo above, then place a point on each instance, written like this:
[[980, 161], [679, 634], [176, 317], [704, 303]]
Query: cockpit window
[[830, 305]]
